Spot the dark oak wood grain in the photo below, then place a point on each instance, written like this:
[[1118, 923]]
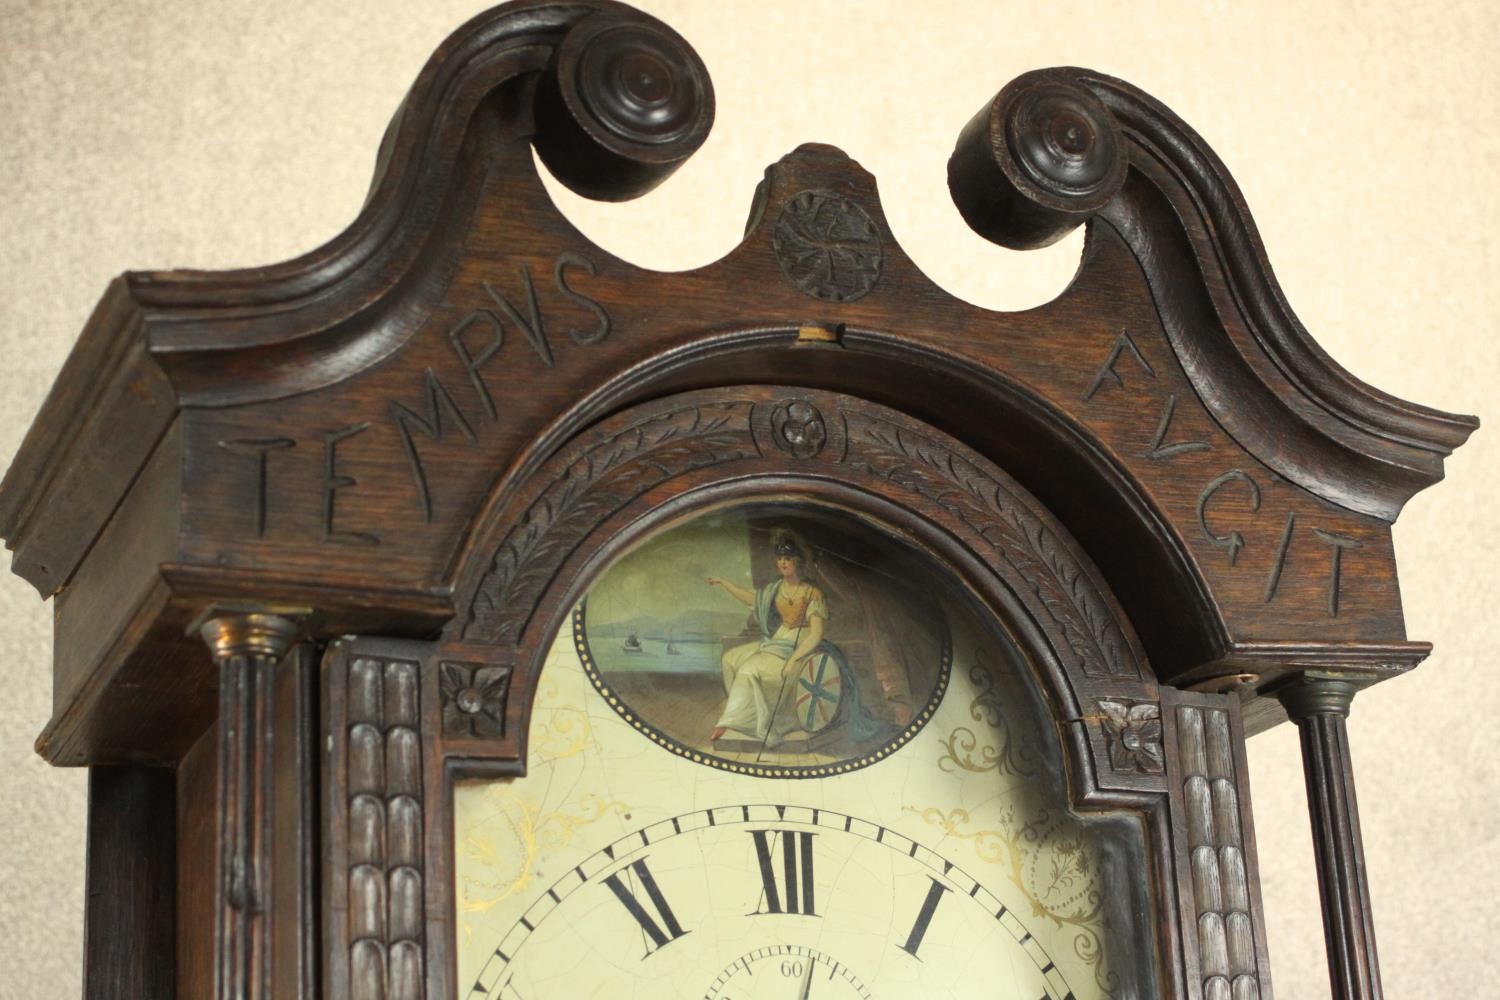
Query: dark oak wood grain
[[197, 866], [1319, 705], [412, 448], [296, 844], [130, 917], [248, 649]]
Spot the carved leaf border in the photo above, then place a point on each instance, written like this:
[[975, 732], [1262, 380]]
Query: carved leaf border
[[595, 486], [966, 491], [698, 436]]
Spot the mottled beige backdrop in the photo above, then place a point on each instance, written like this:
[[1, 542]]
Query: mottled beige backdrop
[[213, 134]]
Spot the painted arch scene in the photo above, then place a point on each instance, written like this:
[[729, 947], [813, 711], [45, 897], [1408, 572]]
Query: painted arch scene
[[777, 638]]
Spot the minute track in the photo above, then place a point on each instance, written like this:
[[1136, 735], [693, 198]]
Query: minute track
[[849, 983], [625, 851]]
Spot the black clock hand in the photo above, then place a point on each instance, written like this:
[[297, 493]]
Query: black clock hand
[[806, 990]]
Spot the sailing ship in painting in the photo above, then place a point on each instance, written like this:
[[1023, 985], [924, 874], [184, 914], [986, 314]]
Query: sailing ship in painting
[[768, 632]]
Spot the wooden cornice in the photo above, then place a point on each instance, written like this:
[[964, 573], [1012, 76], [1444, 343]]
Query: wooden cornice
[[320, 433], [1059, 147], [318, 319], [94, 433], [162, 340]]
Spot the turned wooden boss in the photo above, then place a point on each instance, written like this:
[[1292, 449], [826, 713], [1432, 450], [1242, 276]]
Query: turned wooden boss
[[428, 433]]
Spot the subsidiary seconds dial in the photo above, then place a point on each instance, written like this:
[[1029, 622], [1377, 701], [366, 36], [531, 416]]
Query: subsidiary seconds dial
[[753, 902], [786, 972]]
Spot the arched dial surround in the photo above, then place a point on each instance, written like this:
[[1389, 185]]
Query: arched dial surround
[[942, 863]]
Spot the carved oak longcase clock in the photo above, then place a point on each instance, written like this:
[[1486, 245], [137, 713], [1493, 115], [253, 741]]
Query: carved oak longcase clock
[[460, 611]]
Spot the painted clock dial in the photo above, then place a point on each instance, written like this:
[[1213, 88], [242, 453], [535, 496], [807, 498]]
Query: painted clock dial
[[778, 753]]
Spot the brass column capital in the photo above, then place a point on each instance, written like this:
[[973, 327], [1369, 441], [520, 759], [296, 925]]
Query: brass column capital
[[1313, 694], [249, 633]]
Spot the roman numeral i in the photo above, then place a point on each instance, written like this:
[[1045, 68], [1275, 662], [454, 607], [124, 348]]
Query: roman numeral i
[[924, 917]]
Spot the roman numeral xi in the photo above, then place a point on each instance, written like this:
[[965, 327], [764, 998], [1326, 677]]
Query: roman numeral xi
[[647, 913]]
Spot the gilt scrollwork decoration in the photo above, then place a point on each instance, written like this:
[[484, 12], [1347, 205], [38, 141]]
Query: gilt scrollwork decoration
[[1002, 751], [1049, 859]]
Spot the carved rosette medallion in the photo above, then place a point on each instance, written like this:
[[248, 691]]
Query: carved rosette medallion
[[1134, 731], [797, 428], [827, 246], [474, 697], [640, 82]]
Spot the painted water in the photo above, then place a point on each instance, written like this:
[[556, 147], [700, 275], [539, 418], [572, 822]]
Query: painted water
[[693, 655]]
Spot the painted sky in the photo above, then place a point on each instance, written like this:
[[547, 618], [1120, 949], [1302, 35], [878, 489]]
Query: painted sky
[[666, 574]]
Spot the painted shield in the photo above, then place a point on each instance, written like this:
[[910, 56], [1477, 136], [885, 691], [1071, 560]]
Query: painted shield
[[820, 683]]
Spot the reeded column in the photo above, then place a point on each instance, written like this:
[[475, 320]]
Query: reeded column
[[1319, 705], [247, 647]]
